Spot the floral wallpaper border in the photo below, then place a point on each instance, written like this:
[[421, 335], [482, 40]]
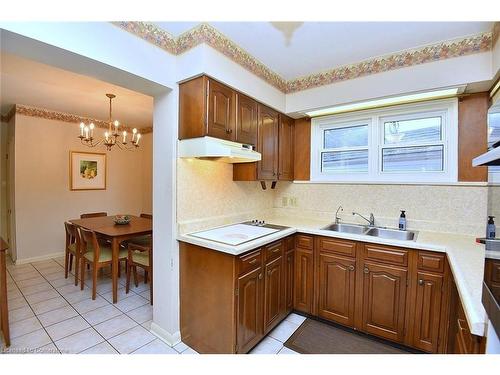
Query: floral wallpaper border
[[204, 33], [25, 110]]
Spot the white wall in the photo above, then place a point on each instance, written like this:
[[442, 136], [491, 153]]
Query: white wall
[[43, 198], [3, 180]]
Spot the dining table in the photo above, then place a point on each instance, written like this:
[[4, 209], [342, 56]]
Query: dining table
[[106, 228]]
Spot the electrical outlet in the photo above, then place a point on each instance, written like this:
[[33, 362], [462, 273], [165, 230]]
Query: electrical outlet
[[293, 201], [284, 201]]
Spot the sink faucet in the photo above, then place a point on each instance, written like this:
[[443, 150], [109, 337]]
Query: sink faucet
[[337, 218], [371, 221]]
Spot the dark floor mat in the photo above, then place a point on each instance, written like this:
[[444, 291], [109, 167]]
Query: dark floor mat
[[314, 337]]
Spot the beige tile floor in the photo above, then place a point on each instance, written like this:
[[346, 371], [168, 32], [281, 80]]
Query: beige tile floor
[[49, 314]]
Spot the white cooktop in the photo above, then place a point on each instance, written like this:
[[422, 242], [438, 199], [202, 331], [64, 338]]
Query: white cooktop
[[234, 234]]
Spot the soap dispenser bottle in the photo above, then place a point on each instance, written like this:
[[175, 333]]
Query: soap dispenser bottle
[[402, 220], [490, 228]]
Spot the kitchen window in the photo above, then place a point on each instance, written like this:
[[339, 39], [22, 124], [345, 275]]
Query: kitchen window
[[410, 143]]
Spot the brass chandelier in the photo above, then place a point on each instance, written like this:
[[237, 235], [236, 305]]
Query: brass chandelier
[[112, 136]]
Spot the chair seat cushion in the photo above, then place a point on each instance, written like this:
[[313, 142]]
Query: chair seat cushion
[[105, 254], [141, 257], [72, 248], [142, 240]]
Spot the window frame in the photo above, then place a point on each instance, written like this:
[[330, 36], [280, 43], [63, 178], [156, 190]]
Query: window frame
[[375, 118]]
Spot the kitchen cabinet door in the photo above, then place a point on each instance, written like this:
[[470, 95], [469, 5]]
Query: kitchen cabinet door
[[221, 111], [250, 314], [384, 300], [303, 288], [267, 145], [246, 120], [336, 288], [289, 279], [274, 299], [428, 311], [285, 169]]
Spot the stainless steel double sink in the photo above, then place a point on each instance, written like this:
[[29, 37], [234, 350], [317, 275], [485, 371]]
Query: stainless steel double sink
[[380, 232]]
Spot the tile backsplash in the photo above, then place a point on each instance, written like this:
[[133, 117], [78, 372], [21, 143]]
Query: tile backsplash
[[456, 209], [207, 196]]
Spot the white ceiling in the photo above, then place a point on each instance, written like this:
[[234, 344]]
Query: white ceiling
[[34, 84], [317, 46]]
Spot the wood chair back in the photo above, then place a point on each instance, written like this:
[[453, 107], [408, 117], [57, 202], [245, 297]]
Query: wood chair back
[[93, 214], [147, 216], [89, 241], [71, 233]]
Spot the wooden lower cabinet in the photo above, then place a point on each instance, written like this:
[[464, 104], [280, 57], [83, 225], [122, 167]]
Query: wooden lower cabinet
[[428, 306], [250, 318], [229, 303], [274, 298], [384, 300], [336, 289], [289, 279], [304, 272]]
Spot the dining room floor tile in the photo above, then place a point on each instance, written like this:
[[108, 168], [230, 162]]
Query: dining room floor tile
[[101, 314], [115, 326], [67, 327], [79, 341], [57, 315], [132, 339], [141, 314], [102, 348], [155, 347], [49, 305], [20, 314], [24, 326]]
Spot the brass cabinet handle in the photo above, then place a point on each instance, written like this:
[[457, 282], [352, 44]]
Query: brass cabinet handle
[[269, 272], [229, 131], [253, 261], [276, 250], [420, 282], [260, 276], [366, 270], [351, 268]]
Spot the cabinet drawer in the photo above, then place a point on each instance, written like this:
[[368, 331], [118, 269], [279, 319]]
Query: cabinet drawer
[[430, 261], [332, 245], [273, 250], [495, 271], [250, 261], [386, 254], [305, 242]]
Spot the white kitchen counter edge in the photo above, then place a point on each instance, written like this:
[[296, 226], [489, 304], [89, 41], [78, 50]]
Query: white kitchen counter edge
[[474, 311]]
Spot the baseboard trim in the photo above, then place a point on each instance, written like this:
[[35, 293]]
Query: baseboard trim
[[165, 336], [40, 258]]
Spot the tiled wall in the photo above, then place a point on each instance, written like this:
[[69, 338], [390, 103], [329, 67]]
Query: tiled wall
[[457, 209], [207, 196]]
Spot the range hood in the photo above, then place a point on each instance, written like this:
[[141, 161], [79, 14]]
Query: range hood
[[209, 148], [492, 157]]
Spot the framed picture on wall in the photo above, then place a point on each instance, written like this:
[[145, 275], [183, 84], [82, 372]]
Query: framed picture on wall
[[87, 170]]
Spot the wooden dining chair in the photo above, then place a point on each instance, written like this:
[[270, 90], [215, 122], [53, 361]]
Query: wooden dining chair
[[140, 256], [145, 240], [93, 214], [147, 216], [72, 249], [98, 255]]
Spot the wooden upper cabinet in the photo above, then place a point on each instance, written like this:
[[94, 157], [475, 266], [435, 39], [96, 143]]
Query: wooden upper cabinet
[[268, 129], [285, 141], [384, 300], [246, 120], [221, 111], [428, 311], [249, 314], [336, 288], [206, 108]]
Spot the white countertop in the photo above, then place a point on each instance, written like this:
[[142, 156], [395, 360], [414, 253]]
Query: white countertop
[[466, 257]]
